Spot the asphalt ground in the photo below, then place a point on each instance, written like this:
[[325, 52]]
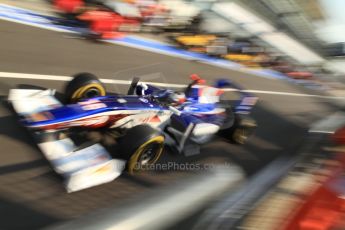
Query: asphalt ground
[[32, 196]]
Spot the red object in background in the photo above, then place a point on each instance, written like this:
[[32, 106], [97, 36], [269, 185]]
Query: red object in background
[[153, 10], [300, 75], [324, 209], [106, 23], [339, 136], [68, 6]]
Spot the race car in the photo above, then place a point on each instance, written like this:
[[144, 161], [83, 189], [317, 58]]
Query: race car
[[141, 122], [202, 43], [95, 20]]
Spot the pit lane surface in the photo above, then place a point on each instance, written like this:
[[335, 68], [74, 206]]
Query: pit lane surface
[[32, 196]]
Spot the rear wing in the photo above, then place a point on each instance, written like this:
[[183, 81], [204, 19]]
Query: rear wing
[[247, 100]]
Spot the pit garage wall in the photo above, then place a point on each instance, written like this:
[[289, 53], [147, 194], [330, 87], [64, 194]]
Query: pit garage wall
[[255, 25]]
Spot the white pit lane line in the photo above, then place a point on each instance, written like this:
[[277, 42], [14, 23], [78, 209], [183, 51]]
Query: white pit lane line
[[127, 82]]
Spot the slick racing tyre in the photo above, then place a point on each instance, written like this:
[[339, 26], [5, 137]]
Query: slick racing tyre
[[83, 86], [229, 113], [242, 129], [141, 146]]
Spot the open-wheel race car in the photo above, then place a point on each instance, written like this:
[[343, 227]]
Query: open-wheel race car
[[141, 122]]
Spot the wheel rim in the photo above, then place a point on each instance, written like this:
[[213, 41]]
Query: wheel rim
[[149, 154], [142, 156], [240, 135], [90, 93]]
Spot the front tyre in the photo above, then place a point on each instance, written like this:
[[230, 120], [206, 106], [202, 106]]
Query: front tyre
[[141, 146], [84, 86]]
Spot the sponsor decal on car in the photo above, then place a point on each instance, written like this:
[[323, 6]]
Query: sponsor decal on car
[[94, 106]]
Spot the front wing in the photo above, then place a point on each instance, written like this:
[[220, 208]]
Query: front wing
[[80, 167]]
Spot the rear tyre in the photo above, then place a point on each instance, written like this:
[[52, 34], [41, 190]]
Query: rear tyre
[[242, 129], [229, 113], [141, 146], [83, 86]]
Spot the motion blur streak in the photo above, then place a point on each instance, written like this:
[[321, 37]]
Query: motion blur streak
[[268, 154], [163, 207], [125, 82]]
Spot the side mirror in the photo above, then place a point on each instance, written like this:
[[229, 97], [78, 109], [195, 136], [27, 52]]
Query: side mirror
[[197, 79]]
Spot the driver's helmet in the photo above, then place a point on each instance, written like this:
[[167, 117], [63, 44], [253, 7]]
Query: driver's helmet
[[177, 97]]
